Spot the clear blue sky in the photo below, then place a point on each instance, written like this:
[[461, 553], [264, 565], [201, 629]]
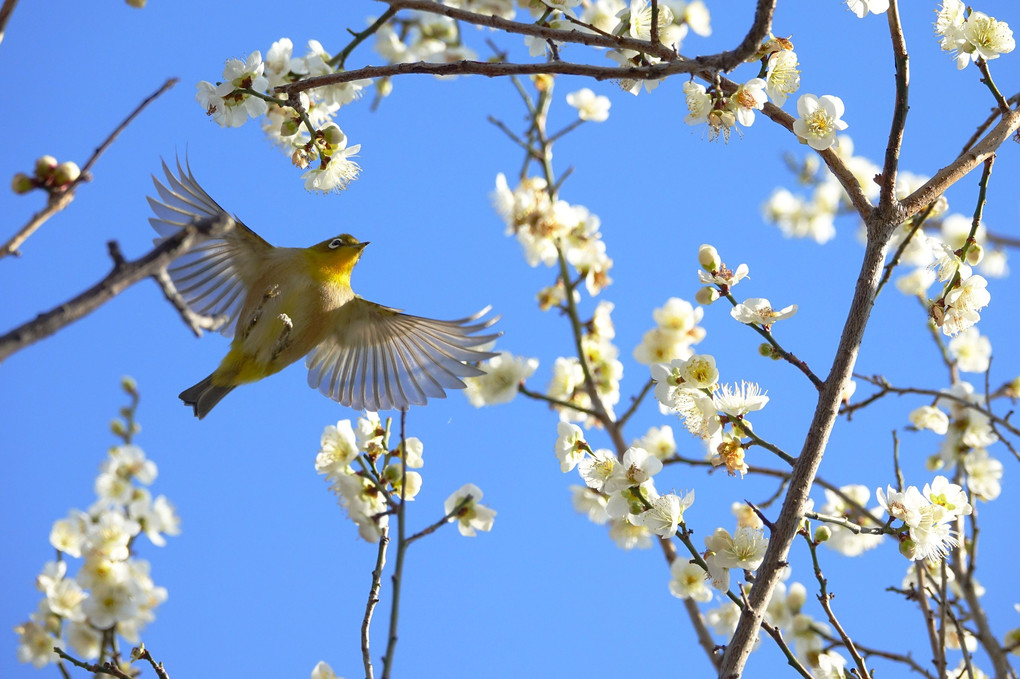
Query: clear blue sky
[[268, 575]]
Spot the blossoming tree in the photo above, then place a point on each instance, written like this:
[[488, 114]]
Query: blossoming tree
[[732, 574]]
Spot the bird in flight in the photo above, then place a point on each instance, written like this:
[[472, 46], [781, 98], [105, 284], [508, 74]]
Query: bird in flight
[[280, 304]]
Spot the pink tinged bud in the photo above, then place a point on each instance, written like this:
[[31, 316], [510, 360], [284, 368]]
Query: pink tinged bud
[[65, 173], [708, 258], [45, 166], [22, 183]]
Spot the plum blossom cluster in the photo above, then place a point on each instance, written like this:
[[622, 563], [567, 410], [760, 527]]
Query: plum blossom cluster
[[548, 228], [430, 37], [674, 20], [369, 489], [568, 389], [504, 373], [722, 111], [369, 478], [970, 35], [112, 593], [928, 516], [967, 434], [305, 131], [715, 413], [676, 331], [619, 492], [963, 296]]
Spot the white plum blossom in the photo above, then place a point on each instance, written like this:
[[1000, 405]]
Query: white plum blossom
[[591, 503], [782, 77], [862, 7], [962, 305], [759, 310], [928, 516], [971, 350], [597, 468], [930, 417], [503, 375], [748, 98], [665, 514], [819, 121], [589, 105], [338, 447], [658, 441], [226, 102], [337, 169], [744, 549], [570, 446], [638, 466], [699, 103], [842, 539], [688, 581], [738, 401], [471, 516]]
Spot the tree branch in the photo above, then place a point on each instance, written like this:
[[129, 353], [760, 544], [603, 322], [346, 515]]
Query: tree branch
[[58, 200], [124, 275]]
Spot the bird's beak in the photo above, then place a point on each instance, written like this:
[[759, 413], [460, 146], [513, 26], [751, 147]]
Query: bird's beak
[[362, 244]]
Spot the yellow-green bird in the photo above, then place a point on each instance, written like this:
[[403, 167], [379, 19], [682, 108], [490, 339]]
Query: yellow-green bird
[[284, 303]]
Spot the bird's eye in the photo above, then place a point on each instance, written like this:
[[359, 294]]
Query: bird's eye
[[335, 243]]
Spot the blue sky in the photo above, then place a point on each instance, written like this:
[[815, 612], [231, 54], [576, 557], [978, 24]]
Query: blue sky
[[268, 574]]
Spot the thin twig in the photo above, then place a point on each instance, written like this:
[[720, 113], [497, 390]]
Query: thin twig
[[373, 599], [58, 200], [5, 15], [109, 668], [887, 185]]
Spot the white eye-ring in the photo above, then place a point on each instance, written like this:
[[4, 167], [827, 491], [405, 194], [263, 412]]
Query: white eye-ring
[[335, 243]]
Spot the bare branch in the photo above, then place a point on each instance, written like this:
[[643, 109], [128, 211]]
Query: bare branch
[[887, 200], [5, 15], [123, 276], [58, 200]]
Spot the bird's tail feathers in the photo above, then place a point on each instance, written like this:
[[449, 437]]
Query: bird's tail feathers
[[204, 395]]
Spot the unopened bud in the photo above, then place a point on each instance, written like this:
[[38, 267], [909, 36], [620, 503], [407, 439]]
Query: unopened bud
[[765, 349], [975, 253], [706, 295], [708, 258], [289, 128], [118, 427], [137, 3], [383, 87], [45, 166], [128, 384], [392, 473], [908, 548], [65, 173], [543, 82], [22, 183], [822, 534], [332, 135], [796, 596]]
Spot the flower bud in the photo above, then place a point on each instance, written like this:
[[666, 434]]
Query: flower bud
[[543, 82], [65, 173], [706, 295], [975, 253], [822, 534], [137, 3], [128, 384], [332, 135], [708, 258], [45, 166], [118, 428], [765, 349], [797, 595], [22, 183], [908, 548], [289, 128]]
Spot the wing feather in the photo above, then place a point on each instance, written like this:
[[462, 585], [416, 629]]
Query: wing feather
[[377, 358], [213, 275]]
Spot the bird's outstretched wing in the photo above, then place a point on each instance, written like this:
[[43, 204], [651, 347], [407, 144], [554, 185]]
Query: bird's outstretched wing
[[212, 277], [377, 358]]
